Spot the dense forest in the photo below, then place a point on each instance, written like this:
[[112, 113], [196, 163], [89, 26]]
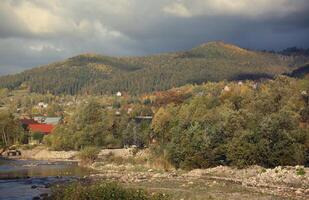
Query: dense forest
[[224, 123], [96, 74]]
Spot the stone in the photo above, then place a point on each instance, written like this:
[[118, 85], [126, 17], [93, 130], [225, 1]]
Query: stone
[[33, 186], [196, 173], [159, 175], [44, 195], [174, 174], [299, 192]]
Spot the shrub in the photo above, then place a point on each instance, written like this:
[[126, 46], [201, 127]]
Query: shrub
[[242, 150], [88, 154], [104, 191], [300, 172], [38, 136]]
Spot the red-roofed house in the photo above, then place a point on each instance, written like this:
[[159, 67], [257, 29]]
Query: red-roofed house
[[41, 128]]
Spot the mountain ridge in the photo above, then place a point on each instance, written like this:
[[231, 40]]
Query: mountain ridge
[[101, 74]]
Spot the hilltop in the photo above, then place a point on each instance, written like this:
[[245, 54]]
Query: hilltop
[[99, 74]]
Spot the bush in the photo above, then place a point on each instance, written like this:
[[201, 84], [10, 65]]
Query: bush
[[300, 172], [89, 154], [242, 150], [37, 136], [102, 191]]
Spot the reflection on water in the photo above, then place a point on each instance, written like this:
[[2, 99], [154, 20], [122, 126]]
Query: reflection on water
[[23, 179], [26, 168]]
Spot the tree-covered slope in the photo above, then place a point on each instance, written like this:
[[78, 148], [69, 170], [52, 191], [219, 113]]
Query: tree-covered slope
[[90, 73]]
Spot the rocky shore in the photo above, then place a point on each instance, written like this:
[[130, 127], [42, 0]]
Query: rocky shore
[[289, 182], [285, 182]]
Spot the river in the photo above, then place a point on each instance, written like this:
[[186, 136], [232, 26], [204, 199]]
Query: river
[[26, 179]]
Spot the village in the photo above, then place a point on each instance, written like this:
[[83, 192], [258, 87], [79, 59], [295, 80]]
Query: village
[[39, 118]]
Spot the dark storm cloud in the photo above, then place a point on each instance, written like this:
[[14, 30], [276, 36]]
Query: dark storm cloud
[[35, 32]]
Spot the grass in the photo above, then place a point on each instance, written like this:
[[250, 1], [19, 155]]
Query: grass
[[300, 172], [158, 163], [27, 146], [88, 154], [202, 189], [103, 191]]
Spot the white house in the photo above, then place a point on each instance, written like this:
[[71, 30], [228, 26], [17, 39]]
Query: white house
[[118, 94], [42, 105], [227, 88]]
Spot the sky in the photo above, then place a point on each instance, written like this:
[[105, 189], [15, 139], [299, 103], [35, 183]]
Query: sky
[[38, 32]]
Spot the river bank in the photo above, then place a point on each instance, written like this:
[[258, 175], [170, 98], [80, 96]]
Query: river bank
[[43, 153], [135, 169], [32, 179], [283, 182], [138, 168]]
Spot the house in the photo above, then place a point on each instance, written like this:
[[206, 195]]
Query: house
[[41, 128], [227, 88], [36, 129], [48, 120], [139, 119], [118, 94], [42, 105], [53, 120]]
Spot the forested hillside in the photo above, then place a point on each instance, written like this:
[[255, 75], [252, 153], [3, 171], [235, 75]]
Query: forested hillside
[[97, 74], [224, 123]]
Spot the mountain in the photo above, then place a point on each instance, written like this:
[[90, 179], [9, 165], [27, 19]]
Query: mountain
[[300, 72], [294, 51], [98, 74]]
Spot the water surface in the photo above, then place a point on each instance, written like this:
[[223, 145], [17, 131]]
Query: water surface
[[25, 179]]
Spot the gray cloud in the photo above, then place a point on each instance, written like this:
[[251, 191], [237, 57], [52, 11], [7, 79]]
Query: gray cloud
[[36, 32]]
